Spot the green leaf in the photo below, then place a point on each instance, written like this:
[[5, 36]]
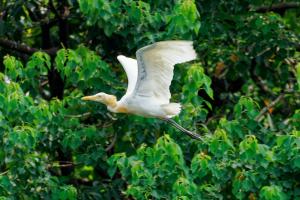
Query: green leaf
[[13, 67], [272, 192], [67, 192], [296, 162]]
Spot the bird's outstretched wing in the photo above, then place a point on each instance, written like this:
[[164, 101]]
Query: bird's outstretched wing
[[131, 68], [155, 68]]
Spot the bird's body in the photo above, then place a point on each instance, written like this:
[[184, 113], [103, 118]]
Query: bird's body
[[149, 79], [146, 107]]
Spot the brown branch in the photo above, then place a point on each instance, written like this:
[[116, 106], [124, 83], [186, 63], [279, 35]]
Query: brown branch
[[265, 109], [278, 8], [24, 48]]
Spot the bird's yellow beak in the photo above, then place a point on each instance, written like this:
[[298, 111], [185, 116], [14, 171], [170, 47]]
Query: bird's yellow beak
[[89, 98]]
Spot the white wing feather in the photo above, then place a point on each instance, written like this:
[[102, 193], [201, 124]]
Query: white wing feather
[[155, 68], [131, 68]]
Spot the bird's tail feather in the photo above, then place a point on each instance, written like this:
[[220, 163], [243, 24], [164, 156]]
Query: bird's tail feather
[[171, 109], [189, 133]]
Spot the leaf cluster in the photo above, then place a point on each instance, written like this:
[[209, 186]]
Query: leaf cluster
[[241, 95]]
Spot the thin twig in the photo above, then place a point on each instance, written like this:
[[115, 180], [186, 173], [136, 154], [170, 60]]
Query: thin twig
[[42, 92], [263, 51], [61, 165], [112, 144], [271, 123], [44, 83], [79, 115], [3, 173], [65, 164], [106, 124], [258, 118]]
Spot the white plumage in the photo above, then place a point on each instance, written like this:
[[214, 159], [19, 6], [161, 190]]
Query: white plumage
[[131, 68], [156, 64], [149, 80]]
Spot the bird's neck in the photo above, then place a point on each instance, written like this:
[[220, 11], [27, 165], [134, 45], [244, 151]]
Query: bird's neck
[[110, 101], [112, 104]]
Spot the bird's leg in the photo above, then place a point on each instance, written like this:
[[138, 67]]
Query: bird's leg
[[189, 133]]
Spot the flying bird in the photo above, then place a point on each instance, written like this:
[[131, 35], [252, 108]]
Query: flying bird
[[149, 79]]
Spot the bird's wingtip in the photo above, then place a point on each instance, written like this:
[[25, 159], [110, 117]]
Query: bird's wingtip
[[120, 57]]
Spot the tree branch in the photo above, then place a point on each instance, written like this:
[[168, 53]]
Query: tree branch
[[112, 144], [24, 48], [62, 164], [79, 116], [278, 8], [271, 105], [3, 173]]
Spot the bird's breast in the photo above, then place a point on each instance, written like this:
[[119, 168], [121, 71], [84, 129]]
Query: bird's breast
[[122, 109]]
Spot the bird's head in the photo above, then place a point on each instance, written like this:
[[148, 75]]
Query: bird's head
[[99, 97], [109, 100]]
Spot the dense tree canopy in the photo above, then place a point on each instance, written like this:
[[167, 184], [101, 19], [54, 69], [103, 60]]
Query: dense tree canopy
[[241, 94]]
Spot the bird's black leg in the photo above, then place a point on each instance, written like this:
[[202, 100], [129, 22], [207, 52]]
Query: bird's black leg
[[189, 133]]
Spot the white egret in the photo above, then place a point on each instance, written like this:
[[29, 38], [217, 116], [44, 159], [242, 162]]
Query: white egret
[[149, 78]]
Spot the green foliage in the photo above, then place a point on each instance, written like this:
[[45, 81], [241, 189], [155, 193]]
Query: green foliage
[[195, 80], [136, 22], [272, 192], [241, 95], [148, 175], [64, 193], [87, 67]]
